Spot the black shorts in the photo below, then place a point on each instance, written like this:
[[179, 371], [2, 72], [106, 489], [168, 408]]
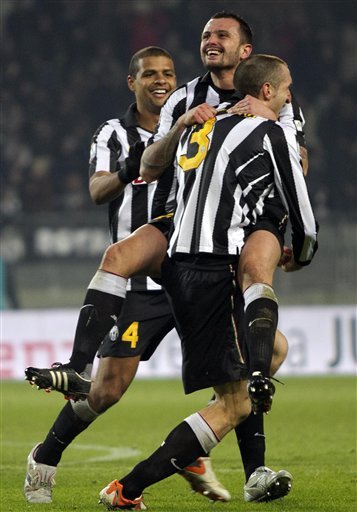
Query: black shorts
[[203, 295], [144, 321], [273, 219]]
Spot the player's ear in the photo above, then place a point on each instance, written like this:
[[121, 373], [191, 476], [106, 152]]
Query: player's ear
[[245, 50], [131, 83], [266, 91]]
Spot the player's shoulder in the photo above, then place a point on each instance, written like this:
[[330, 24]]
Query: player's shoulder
[[110, 127], [114, 123], [282, 136], [184, 89]]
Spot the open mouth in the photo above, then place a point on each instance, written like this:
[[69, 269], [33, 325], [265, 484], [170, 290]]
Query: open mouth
[[159, 93], [213, 52]]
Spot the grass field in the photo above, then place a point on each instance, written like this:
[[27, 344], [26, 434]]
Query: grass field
[[311, 431]]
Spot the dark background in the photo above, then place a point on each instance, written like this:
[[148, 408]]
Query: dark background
[[64, 73]]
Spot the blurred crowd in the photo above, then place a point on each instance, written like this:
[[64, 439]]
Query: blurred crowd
[[65, 68]]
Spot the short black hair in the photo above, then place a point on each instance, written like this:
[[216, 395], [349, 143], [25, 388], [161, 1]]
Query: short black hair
[[148, 51], [246, 32], [256, 70]]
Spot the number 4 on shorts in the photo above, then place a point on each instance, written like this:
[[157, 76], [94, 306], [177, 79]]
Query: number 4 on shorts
[[131, 334]]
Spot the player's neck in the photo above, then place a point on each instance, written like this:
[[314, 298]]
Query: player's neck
[[223, 79], [147, 120]]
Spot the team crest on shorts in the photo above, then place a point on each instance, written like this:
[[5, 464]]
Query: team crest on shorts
[[114, 333]]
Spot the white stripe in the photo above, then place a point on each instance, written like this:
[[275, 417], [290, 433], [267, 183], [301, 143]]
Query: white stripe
[[53, 376], [59, 380], [65, 383]]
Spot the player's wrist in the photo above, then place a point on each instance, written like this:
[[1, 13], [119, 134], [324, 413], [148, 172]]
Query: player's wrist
[[126, 174]]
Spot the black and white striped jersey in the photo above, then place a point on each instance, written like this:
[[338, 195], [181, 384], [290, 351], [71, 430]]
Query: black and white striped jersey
[[132, 209], [197, 91], [202, 90], [226, 170]]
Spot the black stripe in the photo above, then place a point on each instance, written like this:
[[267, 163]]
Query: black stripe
[[160, 204], [139, 207], [179, 109], [282, 158], [115, 148], [200, 94], [253, 144], [300, 134], [226, 200]]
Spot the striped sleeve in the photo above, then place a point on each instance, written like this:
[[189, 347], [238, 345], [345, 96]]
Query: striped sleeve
[[292, 118], [106, 147], [291, 185]]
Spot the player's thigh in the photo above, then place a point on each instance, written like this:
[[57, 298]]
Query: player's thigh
[[142, 252], [259, 258]]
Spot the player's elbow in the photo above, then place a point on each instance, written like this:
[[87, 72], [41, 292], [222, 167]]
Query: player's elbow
[[149, 172], [146, 175]]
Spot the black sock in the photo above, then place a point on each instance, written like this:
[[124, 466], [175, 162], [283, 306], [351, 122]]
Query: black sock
[[251, 442], [66, 427], [179, 449], [96, 318], [261, 320]]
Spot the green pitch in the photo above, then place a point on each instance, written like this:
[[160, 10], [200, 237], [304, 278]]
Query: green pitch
[[311, 432]]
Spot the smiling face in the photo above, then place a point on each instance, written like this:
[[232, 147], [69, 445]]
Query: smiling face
[[221, 45], [153, 83]]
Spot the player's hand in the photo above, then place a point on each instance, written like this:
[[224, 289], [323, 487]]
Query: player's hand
[[253, 106], [129, 170], [287, 262], [286, 255], [304, 160], [198, 115]]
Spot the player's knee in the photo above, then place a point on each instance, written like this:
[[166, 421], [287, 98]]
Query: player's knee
[[249, 272], [113, 255]]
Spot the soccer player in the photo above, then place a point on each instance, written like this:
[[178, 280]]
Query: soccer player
[[225, 40], [143, 251], [146, 316], [227, 167]]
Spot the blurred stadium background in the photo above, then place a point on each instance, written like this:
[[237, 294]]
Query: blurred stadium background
[[64, 73]]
